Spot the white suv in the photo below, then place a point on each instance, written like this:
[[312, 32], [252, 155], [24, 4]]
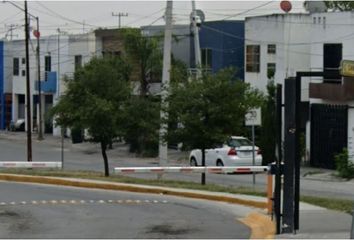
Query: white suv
[[237, 151]]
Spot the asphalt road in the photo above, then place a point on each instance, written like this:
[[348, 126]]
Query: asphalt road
[[45, 211], [88, 157]]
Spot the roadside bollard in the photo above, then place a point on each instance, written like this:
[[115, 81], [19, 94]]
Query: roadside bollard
[[352, 231], [269, 193]]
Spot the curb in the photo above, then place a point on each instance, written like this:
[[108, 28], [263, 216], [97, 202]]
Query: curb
[[261, 226]]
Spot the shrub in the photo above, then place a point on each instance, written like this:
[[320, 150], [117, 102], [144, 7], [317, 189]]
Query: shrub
[[344, 167]]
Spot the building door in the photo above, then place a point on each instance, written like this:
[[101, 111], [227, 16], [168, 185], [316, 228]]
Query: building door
[[48, 123], [329, 133]]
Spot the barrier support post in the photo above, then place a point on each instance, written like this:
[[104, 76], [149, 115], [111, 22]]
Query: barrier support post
[[269, 193]]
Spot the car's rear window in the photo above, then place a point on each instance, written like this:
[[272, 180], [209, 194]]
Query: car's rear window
[[239, 142]]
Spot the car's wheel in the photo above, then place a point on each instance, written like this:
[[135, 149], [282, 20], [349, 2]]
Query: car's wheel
[[219, 163], [193, 162]]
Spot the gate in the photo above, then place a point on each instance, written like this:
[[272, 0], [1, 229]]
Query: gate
[[329, 133]]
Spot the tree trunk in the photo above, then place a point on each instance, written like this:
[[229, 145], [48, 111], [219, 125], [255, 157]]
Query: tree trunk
[[143, 83], [203, 164], [105, 159]]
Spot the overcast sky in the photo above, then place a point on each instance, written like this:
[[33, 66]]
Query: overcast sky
[[82, 16]]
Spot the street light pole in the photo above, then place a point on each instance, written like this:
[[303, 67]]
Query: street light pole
[[28, 91]]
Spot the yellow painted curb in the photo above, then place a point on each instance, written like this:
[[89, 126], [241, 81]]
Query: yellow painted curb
[[128, 188], [261, 226]]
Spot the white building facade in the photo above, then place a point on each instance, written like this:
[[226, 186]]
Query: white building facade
[[277, 46], [59, 56]]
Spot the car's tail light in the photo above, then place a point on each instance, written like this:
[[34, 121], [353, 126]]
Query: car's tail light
[[232, 152], [259, 151]]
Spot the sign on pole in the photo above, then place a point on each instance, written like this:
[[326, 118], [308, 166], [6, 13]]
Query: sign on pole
[[253, 117]]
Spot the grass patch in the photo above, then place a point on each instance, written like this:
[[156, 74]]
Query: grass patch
[[329, 203]]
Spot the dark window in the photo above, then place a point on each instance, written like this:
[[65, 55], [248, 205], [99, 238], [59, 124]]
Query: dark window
[[252, 58], [271, 68], [207, 57], [16, 67], [271, 48], [48, 63], [332, 56], [239, 142], [23, 73], [78, 61], [23, 60]]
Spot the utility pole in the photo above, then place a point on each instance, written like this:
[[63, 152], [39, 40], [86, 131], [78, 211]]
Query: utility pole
[[119, 15], [197, 56], [40, 127], [62, 130], [58, 88], [165, 83], [28, 91]]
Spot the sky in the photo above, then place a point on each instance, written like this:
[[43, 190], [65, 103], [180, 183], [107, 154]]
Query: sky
[[83, 16]]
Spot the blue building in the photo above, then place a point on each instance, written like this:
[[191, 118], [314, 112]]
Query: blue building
[[5, 91], [222, 45]]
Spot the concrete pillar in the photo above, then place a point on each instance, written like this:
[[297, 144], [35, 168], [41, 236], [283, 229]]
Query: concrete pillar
[[351, 133]]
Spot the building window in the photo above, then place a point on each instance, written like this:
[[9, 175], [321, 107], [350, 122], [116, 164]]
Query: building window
[[252, 58], [314, 20], [23, 60], [78, 62], [271, 68], [206, 57], [271, 48], [48, 63], [16, 67], [23, 73], [332, 56]]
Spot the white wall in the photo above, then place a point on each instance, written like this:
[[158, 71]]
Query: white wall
[[288, 33]]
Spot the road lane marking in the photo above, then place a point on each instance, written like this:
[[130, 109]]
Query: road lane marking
[[119, 201]]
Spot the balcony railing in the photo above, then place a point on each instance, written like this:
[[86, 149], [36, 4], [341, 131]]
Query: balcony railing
[[48, 82]]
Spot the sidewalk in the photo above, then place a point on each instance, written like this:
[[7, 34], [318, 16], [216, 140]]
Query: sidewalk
[[321, 223]]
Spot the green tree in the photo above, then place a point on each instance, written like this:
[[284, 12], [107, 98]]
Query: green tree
[[142, 122], [95, 100], [268, 128], [144, 53], [340, 5], [209, 110]]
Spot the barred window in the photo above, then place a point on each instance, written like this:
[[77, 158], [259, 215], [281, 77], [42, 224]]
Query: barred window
[[252, 58], [16, 66], [271, 68], [206, 57], [272, 48]]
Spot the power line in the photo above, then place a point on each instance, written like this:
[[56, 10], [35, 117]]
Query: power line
[[248, 10], [61, 16]]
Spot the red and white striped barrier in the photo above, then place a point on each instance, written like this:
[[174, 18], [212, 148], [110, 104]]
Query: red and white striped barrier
[[30, 164], [244, 169]]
